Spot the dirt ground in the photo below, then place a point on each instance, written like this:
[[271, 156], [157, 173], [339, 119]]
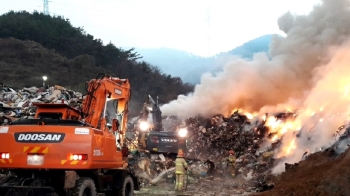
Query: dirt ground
[[322, 174], [203, 187]]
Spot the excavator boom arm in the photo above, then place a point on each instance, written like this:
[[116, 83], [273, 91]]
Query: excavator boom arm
[[100, 91]]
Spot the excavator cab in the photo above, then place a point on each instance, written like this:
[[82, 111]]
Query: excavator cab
[[110, 110], [115, 125], [152, 135], [115, 129]]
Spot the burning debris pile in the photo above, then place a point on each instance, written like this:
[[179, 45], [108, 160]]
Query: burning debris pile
[[255, 141], [208, 144], [18, 103], [211, 140], [306, 70], [219, 134]]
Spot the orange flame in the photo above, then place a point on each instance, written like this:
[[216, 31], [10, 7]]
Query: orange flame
[[290, 147], [249, 115]]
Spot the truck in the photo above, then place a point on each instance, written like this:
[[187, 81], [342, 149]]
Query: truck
[[71, 151], [153, 137]]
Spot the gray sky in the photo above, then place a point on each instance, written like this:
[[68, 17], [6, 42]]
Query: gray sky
[[203, 27]]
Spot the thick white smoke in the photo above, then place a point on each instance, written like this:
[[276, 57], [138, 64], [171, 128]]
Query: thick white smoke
[[325, 108], [287, 72], [306, 70]]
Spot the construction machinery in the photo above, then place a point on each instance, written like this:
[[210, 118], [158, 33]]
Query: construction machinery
[[152, 136], [68, 151]]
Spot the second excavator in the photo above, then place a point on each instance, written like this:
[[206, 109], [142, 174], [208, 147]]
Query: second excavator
[[153, 137]]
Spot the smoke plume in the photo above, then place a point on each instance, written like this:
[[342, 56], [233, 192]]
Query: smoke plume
[[325, 108], [287, 72], [307, 70]]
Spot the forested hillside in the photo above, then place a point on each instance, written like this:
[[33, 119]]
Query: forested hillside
[[50, 45]]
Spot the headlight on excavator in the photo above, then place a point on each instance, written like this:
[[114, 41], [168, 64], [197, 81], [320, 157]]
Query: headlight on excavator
[[144, 126], [183, 132]]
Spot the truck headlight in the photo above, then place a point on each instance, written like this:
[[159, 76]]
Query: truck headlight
[[144, 126], [183, 132]]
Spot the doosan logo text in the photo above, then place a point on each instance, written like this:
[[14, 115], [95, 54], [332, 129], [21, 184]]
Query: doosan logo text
[[39, 137]]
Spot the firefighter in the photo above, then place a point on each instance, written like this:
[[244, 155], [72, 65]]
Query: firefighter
[[180, 168], [231, 163]]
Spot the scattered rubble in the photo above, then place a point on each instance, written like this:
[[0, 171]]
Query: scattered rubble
[[208, 143], [211, 139], [18, 103]]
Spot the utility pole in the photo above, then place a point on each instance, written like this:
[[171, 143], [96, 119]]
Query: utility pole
[[209, 34], [46, 7]]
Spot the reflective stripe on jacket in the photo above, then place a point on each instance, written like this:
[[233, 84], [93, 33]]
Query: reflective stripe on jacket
[[180, 165]]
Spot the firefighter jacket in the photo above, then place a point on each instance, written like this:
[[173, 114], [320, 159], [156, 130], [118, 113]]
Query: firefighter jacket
[[180, 165], [231, 160]]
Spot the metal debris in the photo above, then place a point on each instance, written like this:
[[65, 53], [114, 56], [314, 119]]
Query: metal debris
[[208, 143], [18, 103]]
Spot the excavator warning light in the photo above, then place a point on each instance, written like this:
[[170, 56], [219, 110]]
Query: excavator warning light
[[78, 157], [5, 155]]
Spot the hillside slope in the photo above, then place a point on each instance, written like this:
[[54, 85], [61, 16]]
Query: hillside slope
[[69, 56], [177, 63], [191, 67], [248, 49], [23, 63]]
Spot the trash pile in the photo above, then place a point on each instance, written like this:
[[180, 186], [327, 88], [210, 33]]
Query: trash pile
[[210, 140], [208, 144], [18, 103], [219, 134]]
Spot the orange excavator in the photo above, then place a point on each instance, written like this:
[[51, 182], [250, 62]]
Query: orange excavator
[[69, 151]]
